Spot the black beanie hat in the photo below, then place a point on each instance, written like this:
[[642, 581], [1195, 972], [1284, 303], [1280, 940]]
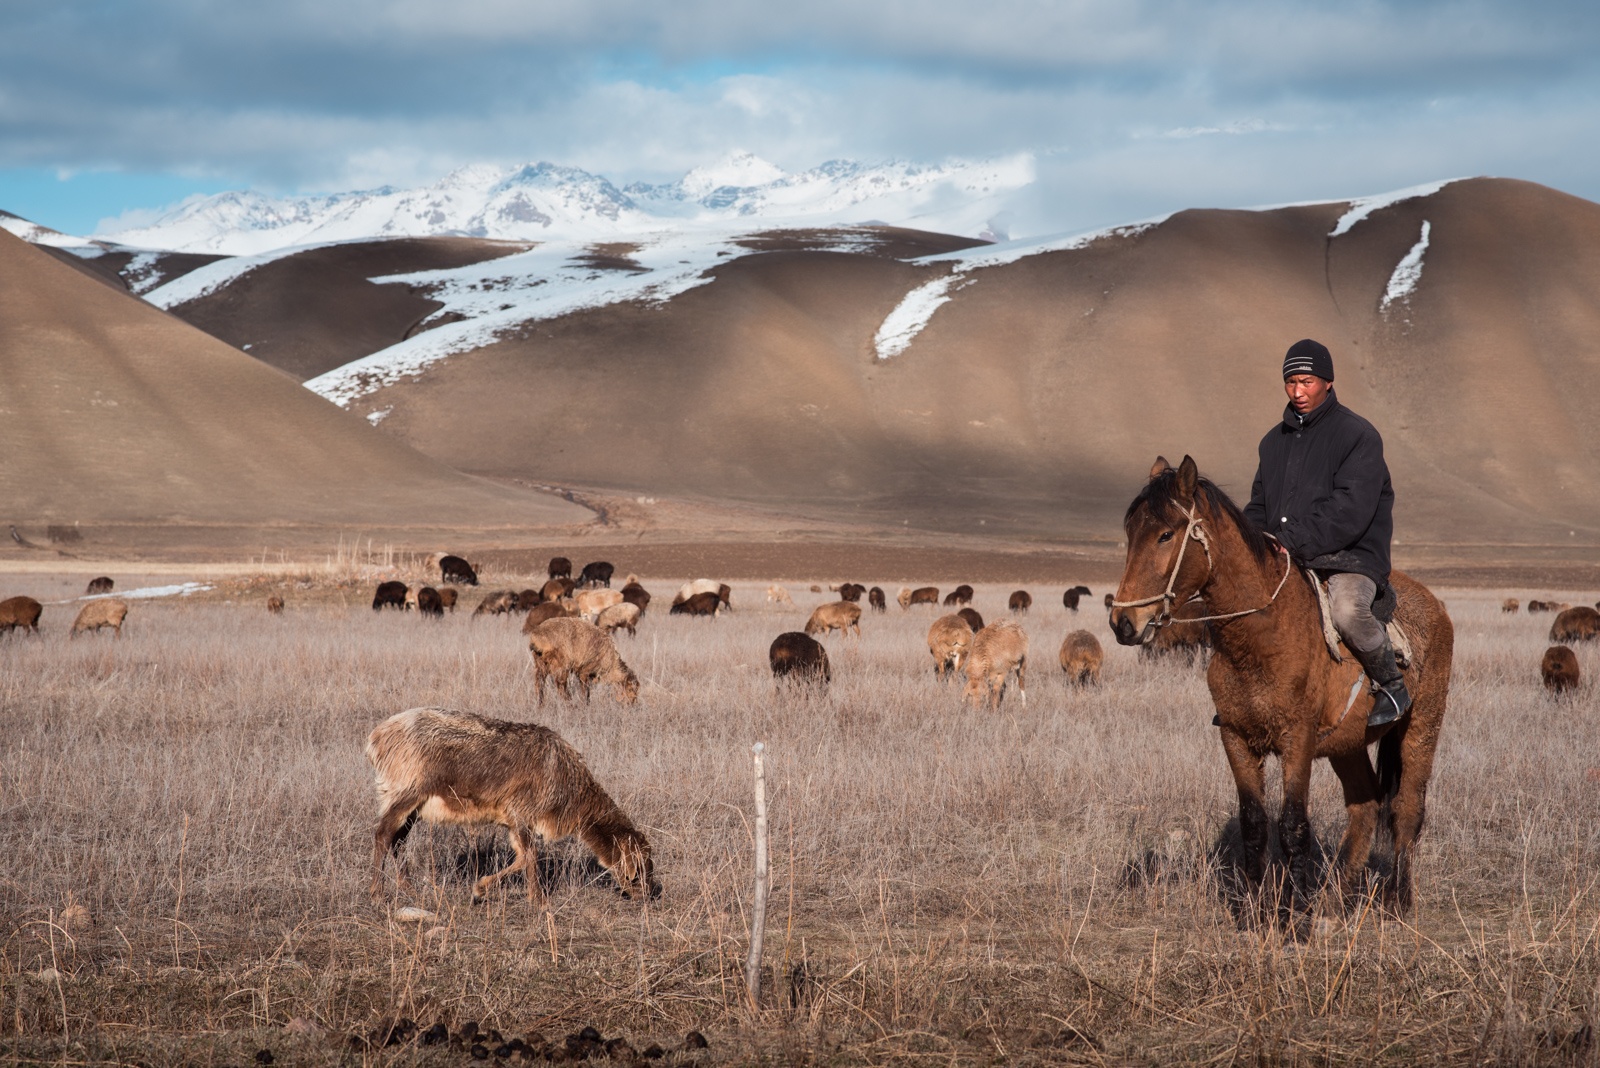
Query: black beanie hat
[[1308, 358]]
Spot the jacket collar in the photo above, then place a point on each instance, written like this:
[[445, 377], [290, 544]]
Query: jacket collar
[[1292, 420]]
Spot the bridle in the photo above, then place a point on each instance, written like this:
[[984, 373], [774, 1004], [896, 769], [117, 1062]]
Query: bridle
[[1169, 598]]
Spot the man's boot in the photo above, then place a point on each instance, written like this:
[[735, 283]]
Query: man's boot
[[1391, 701]]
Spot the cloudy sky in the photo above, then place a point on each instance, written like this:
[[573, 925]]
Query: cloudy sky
[[1132, 107]]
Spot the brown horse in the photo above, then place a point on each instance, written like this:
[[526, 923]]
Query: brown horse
[[1276, 688]]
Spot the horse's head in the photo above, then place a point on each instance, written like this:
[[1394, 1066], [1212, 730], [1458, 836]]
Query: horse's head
[[1162, 570]]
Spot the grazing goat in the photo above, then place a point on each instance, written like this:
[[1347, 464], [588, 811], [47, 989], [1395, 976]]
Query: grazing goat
[[960, 595], [701, 604], [1020, 602], [275, 605], [97, 614], [799, 658], [1509, 605], [455, 569], [20, 612], [921, 595], [591, 603], [429, 603], [841, 616], [497, 603], [778, 595], [1579, 624], [638, 596], [1559, 669], [851, 591], [1069, 600], [877, 599], [548, 610], [1540, 606], [456, 767], [448, 597], [622, 616], [998, 650], [597, 573], [1081, 658], [568, 649], [103, 584], [556, 589], [689, 589], [389, 595], [526, 599], [949, 643], [560, 567], [974, 620]]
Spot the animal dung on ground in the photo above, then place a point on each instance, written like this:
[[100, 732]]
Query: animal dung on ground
[[458, 767], [97, 614], [1579, 624], [835, 615], [799, 658], [1082, 657], [1559, 669]]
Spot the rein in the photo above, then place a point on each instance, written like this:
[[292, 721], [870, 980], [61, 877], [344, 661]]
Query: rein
[[1168, 598]]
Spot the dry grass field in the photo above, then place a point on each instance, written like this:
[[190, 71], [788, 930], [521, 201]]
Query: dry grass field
[[186, 817]]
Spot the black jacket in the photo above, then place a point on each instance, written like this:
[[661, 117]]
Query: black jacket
[[1322, 489]]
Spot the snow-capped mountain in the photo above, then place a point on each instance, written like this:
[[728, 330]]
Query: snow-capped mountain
[[542, 200]]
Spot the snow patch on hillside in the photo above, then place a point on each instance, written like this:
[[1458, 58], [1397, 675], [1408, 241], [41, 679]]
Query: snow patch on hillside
[[213, 276], [1408, 272], [1365, 206], [911, 315]]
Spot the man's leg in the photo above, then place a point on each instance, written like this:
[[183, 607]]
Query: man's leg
[[1351, 600]]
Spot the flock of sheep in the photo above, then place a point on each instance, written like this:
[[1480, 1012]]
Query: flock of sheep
[[1559, 668]]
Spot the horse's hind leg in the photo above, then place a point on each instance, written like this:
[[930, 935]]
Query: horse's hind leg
[[1361, 807], [1412, 751]]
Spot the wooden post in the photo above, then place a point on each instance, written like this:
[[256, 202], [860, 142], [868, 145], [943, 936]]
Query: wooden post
[[758, 914]]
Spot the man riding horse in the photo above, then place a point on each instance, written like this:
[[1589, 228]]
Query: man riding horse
[[1322, 490]]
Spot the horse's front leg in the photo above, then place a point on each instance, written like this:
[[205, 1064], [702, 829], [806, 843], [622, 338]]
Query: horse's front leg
[[1294, 825], [1248, 777]]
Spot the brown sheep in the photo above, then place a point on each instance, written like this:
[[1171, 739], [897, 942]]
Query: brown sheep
[[998, 650], [566, 649], [448, 596], [949, 643], [103, 584], [1539, 606], [1020, 602], [591, 603], [389, 595], [799, 658], [456, 767], [701, 604], [455, 569], [97, 614], [497, 603], [526, 599], [839, 616], [920, 595], [429, 603], [638, 596], [559, 568], [597, 573], [1509, 605], [851, 591], [541, 612], [275, 605], [877, 599], [960, 595], [1559, 669], [20, 612], [622, 616], [689, 589], [1069, 599], [1081, 658], [556, 589], [973, 618], [1579, 624]]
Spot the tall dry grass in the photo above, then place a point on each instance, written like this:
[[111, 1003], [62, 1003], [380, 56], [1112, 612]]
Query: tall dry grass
[[186, 820]]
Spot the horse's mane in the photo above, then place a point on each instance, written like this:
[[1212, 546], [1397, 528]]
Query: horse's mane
[[1160, 495]]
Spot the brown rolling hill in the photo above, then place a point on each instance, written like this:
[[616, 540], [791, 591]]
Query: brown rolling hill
[[112, 411], [1034, 401]]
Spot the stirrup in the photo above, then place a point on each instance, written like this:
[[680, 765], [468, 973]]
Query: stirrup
[[1390, 704]]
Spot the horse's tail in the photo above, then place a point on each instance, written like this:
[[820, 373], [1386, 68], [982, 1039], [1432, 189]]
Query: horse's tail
[[1388, 767]]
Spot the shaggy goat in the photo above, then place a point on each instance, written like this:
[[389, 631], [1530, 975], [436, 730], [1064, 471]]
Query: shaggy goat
[[949, 643], [429, 603], [701, 604], [548, 610], [974, 620], [1559, 669], [389, 595], [597, 573], [456, 767], [103, 584], [851, 591], [689, 589], [20, 612], [97, 614], [998, 651], [800, 658], [526, 599], [497, 603], [1081, 658], [591, 603], [455, 569], [1579, 624], [560, 567], [448, 596], [1020, 602], [962, 594], [556, 589], [921, 595], [638, 596], [620, 616], [841, 616], [877, 599], [567, 649]]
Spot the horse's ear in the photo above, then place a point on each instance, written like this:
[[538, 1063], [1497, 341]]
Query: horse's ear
[[1188, 478], [1159, 468]]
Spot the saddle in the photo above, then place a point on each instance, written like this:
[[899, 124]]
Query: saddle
[[1383, 606]]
